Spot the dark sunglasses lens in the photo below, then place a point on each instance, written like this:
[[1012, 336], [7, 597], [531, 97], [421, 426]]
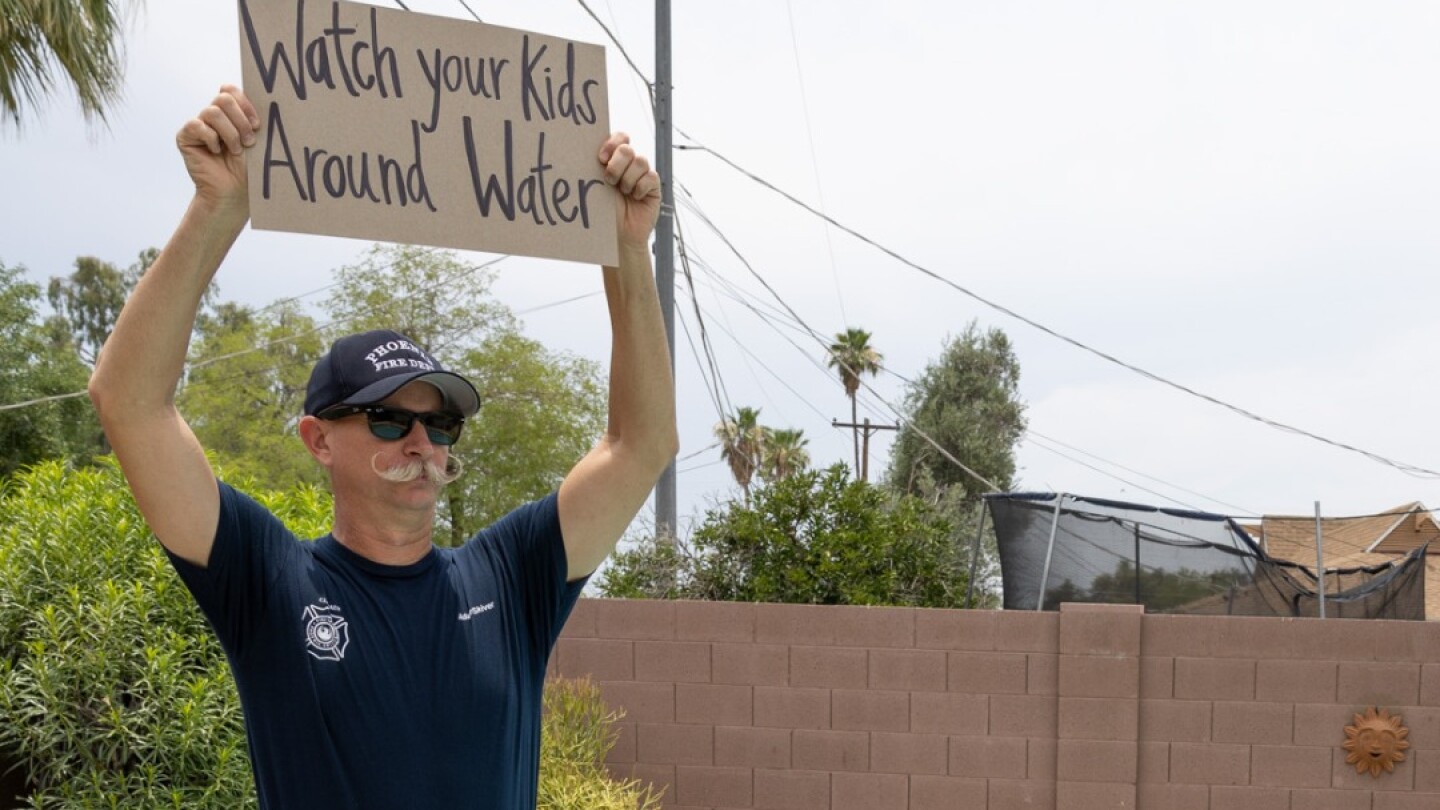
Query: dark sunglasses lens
[[390, 425], [442, 428]]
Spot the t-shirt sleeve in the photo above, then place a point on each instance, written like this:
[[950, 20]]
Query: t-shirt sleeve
[[532, 548], [251, 548]]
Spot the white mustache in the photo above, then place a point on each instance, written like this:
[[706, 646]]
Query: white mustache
[[406, 472]]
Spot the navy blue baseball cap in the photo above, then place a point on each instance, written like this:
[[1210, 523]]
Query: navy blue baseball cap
[[366, 368]]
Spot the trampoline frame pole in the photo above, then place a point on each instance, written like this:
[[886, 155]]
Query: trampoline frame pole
[[975, 554], [1137, 564], [1319, 561], [1049, 550]]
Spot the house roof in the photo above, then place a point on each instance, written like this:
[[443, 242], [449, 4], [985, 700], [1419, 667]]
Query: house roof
[[1359, 541], [1394, 531]]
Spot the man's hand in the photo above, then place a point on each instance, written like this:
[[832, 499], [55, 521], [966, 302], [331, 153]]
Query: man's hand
[[638, 205], [213, 144]]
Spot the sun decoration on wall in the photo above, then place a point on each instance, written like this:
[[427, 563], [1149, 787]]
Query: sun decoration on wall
[[1376, 742]]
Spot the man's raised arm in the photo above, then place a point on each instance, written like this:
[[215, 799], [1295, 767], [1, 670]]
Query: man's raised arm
[[603, 492], [133, 386]]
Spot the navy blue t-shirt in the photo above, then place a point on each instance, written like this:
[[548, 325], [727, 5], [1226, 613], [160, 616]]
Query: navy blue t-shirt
[[388, 687]]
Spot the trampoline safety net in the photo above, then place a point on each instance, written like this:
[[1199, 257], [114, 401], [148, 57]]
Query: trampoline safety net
[[1076, 549]]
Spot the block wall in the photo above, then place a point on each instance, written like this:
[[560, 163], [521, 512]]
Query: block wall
[[797, 707]]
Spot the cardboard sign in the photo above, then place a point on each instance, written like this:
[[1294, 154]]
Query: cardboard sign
[[386, 124]]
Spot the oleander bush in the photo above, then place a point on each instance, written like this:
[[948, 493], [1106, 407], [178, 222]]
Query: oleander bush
[[114, 692]]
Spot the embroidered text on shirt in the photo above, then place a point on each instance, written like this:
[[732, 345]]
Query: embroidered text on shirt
[[476, 611]]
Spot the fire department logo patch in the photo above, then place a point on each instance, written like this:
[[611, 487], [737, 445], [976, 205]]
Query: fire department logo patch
[[327, 634]]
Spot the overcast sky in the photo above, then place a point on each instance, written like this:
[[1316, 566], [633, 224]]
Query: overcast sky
[[1238, 197]]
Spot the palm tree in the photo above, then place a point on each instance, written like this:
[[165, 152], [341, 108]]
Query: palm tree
[[785, 454], [44, 43], [852, 355], [742, 445]]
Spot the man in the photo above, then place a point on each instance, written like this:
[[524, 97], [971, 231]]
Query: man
[[375, 670]]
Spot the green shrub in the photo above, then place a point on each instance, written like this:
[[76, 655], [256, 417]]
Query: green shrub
[[114, 692], [816, 537], [578, 732]]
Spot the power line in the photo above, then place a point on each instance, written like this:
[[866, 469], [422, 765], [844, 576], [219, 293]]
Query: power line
[[706, 449], [737, 294], [77, 394], [650, 84], [621, 48], [770, 321], [471, 10], [1034, 440], [1035, 434], [1403, 467], [291, 338], [642, 82], [701, 466], [42, 400], [719, 393], [722, 324], [773, 373], [710, 389], [439, 284], [1031, 435], [814, 160], [561, 302], [688, 197], [898, 415], [1409, 469], [690, 278]]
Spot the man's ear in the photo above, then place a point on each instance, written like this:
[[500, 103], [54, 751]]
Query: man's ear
[[315, 433]]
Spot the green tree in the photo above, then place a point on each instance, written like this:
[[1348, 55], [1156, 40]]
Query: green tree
[[245, 389], [431, 296], [966, 402], [816, 537], [784, 454], [46, 43], [965, 407], [88, 301], [742, 445], [540, 411], [852, 356], [33, 368]]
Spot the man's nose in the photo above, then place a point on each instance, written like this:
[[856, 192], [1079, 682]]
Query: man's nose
[[417, 440]]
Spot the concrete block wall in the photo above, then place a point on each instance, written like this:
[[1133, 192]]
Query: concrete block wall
[[1252, 712], [799, 707]]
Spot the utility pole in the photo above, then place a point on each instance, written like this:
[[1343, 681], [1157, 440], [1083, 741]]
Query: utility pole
[[665, 501], [867, 430]]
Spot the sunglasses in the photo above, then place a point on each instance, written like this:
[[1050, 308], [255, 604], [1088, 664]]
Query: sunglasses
[[392, 424]]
